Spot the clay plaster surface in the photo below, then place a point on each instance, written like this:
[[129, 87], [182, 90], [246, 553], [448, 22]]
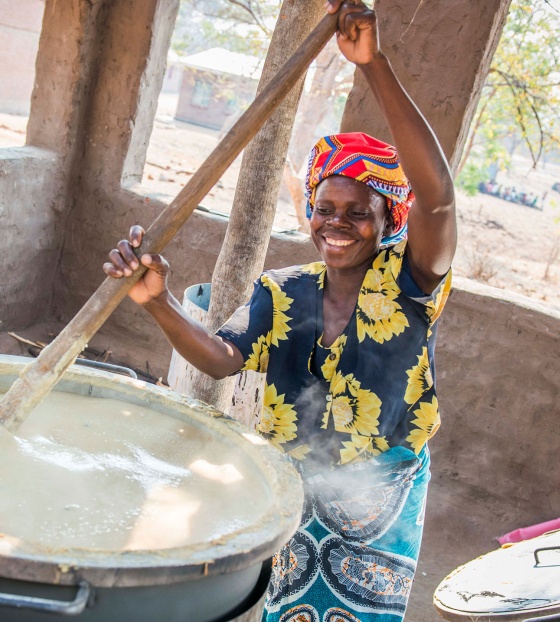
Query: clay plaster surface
[[441, 52], [30, 207]]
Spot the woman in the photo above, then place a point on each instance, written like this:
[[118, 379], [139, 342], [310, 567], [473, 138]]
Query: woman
[[347, 345]]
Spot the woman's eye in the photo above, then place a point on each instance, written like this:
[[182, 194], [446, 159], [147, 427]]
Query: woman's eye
[[322, 210], [359, 214]]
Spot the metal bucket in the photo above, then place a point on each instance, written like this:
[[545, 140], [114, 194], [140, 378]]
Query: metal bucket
[[224, 579], [248, 386]]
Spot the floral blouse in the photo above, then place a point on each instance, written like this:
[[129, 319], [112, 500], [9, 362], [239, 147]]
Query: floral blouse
[[371, 390]]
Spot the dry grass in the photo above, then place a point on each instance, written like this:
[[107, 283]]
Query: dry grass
[[481, 266]]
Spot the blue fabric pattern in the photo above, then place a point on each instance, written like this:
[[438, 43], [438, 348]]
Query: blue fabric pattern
[[354, 556]]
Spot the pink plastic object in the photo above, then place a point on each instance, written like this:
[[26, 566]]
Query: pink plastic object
[[526, 533]]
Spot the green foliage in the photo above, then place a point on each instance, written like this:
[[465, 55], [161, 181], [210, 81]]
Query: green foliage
[[243, 26], [520, 102], [470, 178]]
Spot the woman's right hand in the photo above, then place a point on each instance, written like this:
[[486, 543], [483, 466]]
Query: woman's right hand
[[122, 262]]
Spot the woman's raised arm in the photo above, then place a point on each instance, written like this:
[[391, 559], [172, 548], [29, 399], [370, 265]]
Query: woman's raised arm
[[432, 229]]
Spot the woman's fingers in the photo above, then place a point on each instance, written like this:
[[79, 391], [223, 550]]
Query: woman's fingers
[[332, 6], [353, 18], [118, 262], [123, 262], [156, 263], [125, 249], [135, 235], [111, 270]]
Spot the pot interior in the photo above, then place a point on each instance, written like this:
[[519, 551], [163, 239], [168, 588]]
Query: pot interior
[[110, 472]]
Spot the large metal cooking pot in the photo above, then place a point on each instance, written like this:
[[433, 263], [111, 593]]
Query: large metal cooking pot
[[203, 581]]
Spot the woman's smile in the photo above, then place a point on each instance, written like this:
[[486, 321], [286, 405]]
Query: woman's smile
[[348, 222], [338, 242]]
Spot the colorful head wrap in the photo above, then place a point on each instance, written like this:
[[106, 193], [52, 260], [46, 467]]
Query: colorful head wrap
[[366, 159]]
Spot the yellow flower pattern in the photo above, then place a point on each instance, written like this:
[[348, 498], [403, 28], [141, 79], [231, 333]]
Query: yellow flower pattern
[[378, 314], [360, 448], [331, 362], [381, 445], [319, 268], [258, 359], [435, 307], [419, 379], [281, 303], [300, 452], [355, 448], [278, 421], [427, 422], [354, 410]]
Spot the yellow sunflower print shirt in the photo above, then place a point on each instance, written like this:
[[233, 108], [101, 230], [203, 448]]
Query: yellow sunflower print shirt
[[371, 390]]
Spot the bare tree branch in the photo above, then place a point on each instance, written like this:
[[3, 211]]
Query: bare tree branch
[[257, 21], [521, 119], [550, 5], [474, 130]]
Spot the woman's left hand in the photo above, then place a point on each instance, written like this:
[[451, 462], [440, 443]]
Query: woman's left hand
[[357, 36]]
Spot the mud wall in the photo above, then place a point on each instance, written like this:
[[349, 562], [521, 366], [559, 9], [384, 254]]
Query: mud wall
[[494, 460], [34, 179], [441, 52], [30, 188]]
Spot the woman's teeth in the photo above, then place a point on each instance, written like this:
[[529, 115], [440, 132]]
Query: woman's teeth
[[339, 242]]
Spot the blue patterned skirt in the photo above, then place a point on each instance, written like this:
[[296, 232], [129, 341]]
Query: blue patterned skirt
[[354, 556]]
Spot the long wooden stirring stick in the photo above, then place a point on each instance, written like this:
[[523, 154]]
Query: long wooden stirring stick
[[38, 378]]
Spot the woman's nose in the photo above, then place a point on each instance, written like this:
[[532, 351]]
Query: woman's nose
[[338, 219]]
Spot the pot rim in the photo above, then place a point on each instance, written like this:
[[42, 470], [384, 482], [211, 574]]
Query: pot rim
[[230, 553]]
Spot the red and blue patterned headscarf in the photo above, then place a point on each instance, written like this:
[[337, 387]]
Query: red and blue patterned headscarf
[[366, 159]]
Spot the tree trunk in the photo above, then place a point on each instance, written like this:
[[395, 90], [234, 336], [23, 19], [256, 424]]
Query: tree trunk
[[314, 105], [243, 253], [296, 188]]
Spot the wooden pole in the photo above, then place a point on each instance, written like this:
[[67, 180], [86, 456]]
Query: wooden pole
[[37, 379], [243, 251]]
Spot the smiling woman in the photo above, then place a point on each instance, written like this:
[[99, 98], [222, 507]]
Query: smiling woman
[[347, 346], [348, 222]]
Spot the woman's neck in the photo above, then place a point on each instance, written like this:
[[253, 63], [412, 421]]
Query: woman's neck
[[342, 288], [341, 284]]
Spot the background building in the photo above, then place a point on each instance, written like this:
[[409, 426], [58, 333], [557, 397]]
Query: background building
[[217, 85], [20, 27]]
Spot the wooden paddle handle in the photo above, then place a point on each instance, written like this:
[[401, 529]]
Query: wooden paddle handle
[[37, 379]]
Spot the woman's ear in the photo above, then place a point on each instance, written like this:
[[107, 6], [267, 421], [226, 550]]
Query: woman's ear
[[388, 230]]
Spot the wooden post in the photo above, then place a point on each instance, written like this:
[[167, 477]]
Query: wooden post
[[243, 253]]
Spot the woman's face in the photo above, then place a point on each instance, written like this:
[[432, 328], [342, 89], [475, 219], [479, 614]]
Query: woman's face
[[348, 221]]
